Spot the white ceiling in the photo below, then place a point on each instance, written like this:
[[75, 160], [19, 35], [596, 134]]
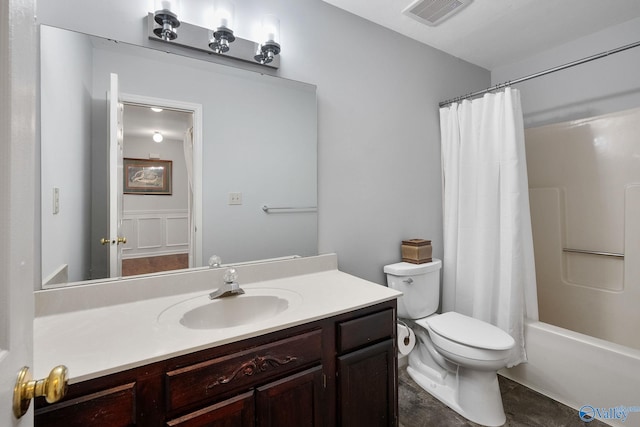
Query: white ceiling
[[493, 33], [142, 122]]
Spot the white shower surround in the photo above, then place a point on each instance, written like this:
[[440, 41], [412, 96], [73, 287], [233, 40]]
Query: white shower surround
[[572, 367], [584, 188]]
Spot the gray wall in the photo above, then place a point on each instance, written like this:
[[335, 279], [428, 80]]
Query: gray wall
[[378, 128], [599, 87], [140, 148], [66, 129]]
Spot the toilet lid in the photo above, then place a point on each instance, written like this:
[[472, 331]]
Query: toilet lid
[[469, 331]]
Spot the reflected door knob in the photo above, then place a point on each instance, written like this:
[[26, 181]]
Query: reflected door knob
[[122, 240], [104, 241], [53, 388]]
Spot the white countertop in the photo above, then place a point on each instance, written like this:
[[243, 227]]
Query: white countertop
[[102, 340]]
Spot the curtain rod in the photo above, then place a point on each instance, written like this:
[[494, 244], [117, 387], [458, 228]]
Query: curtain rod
[[539, 74]]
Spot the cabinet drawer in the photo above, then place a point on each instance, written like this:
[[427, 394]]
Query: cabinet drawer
[[365, 330], [109, 408], [241, 370]]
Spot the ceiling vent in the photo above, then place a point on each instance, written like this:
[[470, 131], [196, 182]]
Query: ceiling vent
[[433, 12]]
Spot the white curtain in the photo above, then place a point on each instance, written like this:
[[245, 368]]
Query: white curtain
[[188, 155], [488, 265], [188, 159]]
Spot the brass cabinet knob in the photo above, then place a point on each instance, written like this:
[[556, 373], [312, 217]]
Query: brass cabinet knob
[[53, 388], [122, 240], [104, 241]]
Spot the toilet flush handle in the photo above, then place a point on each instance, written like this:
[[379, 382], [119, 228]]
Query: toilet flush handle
[[408, 281]]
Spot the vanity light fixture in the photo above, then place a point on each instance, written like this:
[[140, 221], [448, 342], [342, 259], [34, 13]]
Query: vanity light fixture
[[156, 109], [222, 35], [166, 15], [270, 45], [216, 39], [157, 137]]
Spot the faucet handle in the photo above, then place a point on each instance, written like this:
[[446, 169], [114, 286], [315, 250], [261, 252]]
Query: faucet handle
[[230, 276], [214, 261]]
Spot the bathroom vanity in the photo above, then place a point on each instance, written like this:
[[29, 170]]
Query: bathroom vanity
[[327, 359]]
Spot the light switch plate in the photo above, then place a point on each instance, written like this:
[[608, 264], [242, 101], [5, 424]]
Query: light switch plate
[[56, 200]]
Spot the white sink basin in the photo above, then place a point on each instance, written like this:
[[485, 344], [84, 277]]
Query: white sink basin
[[255, 305]]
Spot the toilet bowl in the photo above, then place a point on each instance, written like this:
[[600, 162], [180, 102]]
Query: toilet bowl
[[456, 357]]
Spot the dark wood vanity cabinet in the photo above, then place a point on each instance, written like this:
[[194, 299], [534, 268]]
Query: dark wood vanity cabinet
[[340, 371]]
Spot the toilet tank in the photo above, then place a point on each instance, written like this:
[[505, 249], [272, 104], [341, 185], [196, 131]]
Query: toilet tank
[[420, 287]]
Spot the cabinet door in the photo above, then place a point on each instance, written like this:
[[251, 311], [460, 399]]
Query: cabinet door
[[366, 386], [235, 412], [295, 401]]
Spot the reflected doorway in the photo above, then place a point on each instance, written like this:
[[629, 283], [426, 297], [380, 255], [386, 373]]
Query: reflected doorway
[[157, 226]]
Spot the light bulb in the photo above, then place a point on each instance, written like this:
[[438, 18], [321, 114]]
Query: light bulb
[[170, 5], [270, 29], [269, 45], [157, 137], [223, 14]]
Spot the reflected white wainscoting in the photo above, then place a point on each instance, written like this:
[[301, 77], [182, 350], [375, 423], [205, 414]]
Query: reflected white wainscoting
[[155, 233]]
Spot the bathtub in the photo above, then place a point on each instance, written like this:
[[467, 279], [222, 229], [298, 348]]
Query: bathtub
[[577, 370]]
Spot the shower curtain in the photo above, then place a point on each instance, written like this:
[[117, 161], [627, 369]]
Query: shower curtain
[[488, 265], [187, 145]]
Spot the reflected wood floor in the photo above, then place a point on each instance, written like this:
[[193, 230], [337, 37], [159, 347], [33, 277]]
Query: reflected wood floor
[[523, 407], [154, 264]]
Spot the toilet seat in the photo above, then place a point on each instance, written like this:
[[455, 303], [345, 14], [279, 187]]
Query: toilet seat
[[466, 338], [469, 331]]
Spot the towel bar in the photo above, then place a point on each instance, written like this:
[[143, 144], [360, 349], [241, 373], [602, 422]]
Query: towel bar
[[282, 209], [580, 251]]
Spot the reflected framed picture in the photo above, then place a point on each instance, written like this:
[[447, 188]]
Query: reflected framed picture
[[142, 176]]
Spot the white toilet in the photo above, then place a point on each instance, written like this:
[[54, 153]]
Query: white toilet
[[456, 357]]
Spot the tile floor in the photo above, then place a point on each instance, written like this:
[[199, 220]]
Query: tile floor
[[524, 408]]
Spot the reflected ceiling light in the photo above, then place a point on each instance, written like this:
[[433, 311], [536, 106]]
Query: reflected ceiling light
[[156, 109], [157, 137], [166, 15], [270, 40], [222, 35]]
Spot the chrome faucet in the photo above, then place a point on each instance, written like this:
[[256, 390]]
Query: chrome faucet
[[229, 288]]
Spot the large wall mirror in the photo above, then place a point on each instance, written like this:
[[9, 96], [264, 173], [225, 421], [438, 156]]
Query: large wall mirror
[[233, 142]]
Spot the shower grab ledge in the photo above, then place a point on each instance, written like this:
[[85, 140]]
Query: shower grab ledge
[[580, 251]]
